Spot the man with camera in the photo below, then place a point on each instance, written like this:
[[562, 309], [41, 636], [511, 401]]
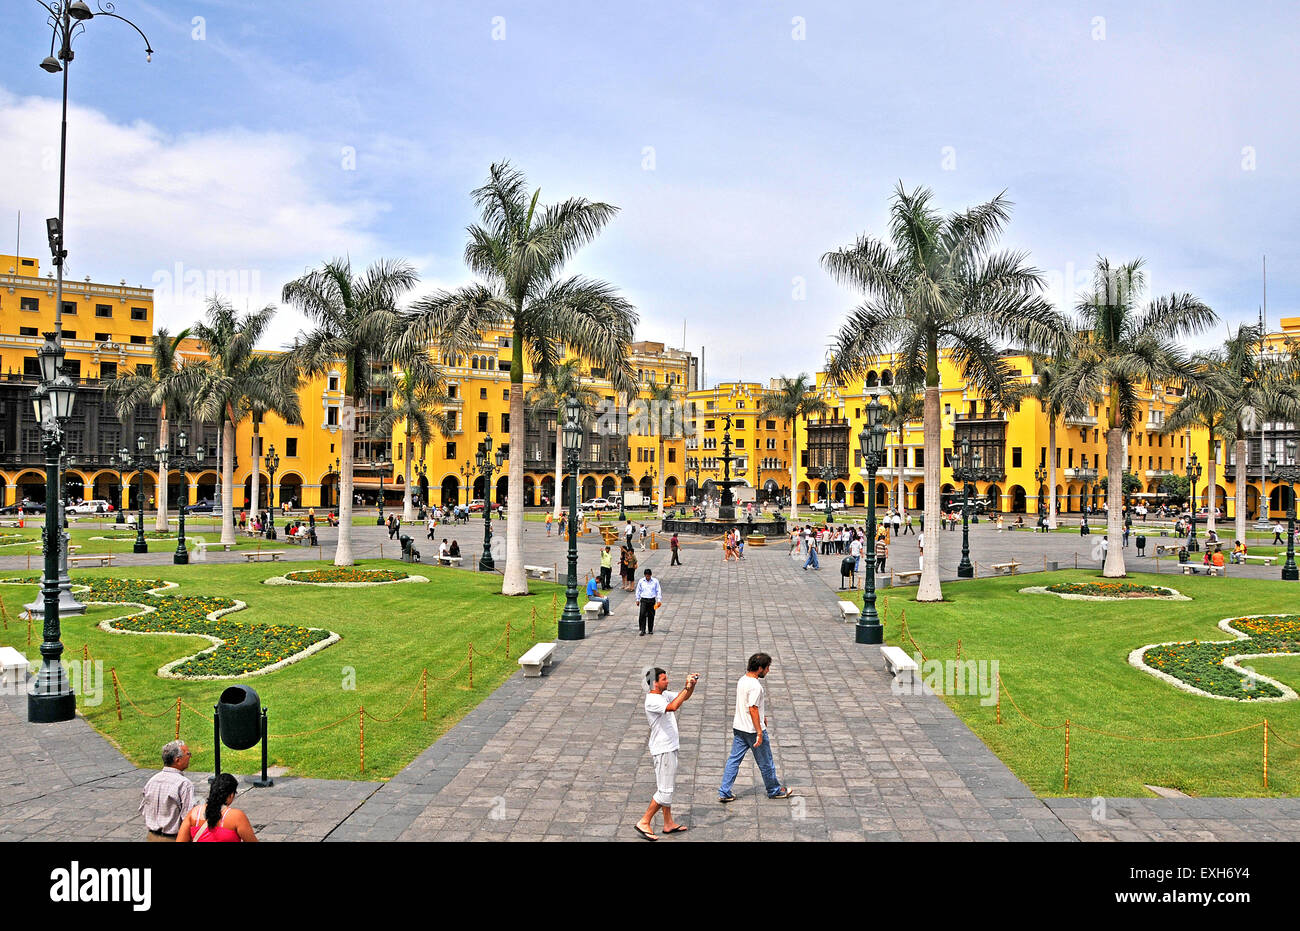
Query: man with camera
[[661, 712]]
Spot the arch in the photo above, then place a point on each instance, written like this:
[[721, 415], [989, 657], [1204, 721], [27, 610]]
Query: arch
[[588, 488], [771, 490], [1221, 499], [205, 484], [918, 497], [858, 499], [1278, 501], [886, 378], [873, 380], [290, 489], [473, 363], [530, 487], [1019, 500], [565, 487], [263, 482], [1252, 502], [329, 490], [502, 493], [821, 492], [882, 495], [708, 488], [450, 491], [670, 490], [30, 485], [839, 491], [477, 494], [608, 489], [803, 498], [548, 487], [692, 490], [133, 489], [994, 494], [647, 486]]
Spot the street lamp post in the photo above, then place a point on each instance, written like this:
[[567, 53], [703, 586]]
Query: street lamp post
[[828, 473], [962, 473], [622, 491], [487, 465], [572, 626], [383, 467], [1089, 475], [1041, 475], [467, 473], [184, 462], [50, 697], [1193, 473], [140, 463], [871, 442], [121, 488], [272, 463], [1288, 475]]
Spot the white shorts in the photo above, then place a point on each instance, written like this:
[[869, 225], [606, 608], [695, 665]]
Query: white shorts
[[665, 777]]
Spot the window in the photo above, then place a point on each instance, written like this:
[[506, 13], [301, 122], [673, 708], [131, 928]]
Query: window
[[103, 337], [672, 454], [1071, 464], [33, 367], [920, 459], [29, 262], [103, 310], [505, 422], [708, 425], [740, 424], [1015, 457], [740, 443], [69, 334], [482, 422], [1042, 456], [857, 463], [333, 383], [30, 303], [505, 451], [332, 416], [451, 450], [139, 313], [138, 340], [505, 342], [144, 370], [482, 396], [27, 331], [70, 307], [452, 390], [291, 446], [108, 370], [505, 394]]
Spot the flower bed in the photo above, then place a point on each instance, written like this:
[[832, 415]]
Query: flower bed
[[1106, 591], [238, 649], [1210, 667], [344, 577]]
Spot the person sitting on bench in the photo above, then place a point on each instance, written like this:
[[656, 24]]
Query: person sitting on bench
[[593, 594]]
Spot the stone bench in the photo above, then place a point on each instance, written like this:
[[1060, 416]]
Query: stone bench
[[298, 541], [545, 573], [1005, 568], [1163, 549], [450, 560], [1266, 560], [849, 611], [898, 663], [536, 659], [907, 575], [257, 555], [1193, 568], [592, 611], [105, 559], [13, 671]]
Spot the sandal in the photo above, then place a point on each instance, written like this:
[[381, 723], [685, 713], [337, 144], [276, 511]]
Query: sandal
[[646, 834]]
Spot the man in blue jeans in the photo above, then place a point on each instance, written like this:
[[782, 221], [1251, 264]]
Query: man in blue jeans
[[749, 729], [594, 595]]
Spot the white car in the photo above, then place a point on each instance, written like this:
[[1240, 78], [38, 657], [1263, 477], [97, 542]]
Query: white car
[[91, 507]]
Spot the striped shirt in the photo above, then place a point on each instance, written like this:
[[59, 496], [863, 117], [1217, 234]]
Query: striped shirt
[[166, 799]]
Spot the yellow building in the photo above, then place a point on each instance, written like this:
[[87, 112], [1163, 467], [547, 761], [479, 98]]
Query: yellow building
[[760, 445]]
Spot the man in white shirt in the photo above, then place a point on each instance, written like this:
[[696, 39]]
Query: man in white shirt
[[442, 549], [648, 595], [749, 731], [661, 713]]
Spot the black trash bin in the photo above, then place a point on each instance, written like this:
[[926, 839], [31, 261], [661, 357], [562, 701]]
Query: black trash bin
[[239, 712], [847, 568]]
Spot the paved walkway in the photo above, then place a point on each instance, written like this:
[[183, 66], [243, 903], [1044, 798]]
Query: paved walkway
[[564, 756]]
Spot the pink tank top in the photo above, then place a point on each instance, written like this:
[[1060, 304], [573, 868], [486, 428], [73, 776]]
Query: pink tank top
[[218, 835]]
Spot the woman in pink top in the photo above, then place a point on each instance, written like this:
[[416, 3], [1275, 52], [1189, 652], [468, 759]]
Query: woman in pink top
[[217, 822]]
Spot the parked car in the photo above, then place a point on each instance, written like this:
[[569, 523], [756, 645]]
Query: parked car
[[91, 507], [202, 507], [596, 504], [476, 506], [27, 507]]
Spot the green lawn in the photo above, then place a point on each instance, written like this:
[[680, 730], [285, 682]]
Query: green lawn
[[389, 634], [120, 540], [1068, 659]]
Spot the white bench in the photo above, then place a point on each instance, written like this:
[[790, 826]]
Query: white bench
[[1193, 568], [913, 575], [897, 662], [299, 541], [105, 559], [256, 555], [1005, 568], [450, 560], [592, 610], [849, 611], [545, 573], [1163, 548], [13, 671], [536, 659], [1266, 560]]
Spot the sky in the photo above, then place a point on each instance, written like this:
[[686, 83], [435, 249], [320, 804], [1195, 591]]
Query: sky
[[268, 136]]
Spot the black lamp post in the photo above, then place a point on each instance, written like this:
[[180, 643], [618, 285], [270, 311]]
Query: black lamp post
[[1288, 474], [184, 462], [622, 472], [338, 483], [467, 473], [962, 472], [140, 462], [383, 467], [1089, 476], [1193, 473], [50, 697], [486, 466], [1040, 474], [120, 462], [828, 473], [871, 442], [272, 463], [572, 626]]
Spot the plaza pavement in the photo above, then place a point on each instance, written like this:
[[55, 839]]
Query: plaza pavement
[[564, 757]]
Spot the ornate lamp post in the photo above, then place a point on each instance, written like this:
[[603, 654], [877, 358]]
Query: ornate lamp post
[[424, 483], [120, 461], [139, 462], [1089, 476], [871, 442], [487, 464], [572, 626], [467, 473], [1193, 473], [963, 472], [50, 697], [338, 482], [828, 473], [272, 463], [184, 462], [383, 467], [1288, 475], [622, 472], [1040, 474]]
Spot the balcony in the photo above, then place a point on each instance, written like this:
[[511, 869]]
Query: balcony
[[1158, 473], [1080, 421], [985, 417]]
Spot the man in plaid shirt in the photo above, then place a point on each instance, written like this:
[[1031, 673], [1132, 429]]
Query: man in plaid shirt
[[168, 796]]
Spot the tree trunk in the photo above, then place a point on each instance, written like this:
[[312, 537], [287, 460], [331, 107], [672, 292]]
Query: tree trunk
[[1239, 494], [161, 494], [1114, 565], [408, 508], [343, 551], [514, 582], [929, 589], [257, 472], [661, 476], [1211, 498], [794, 470], [559, 466], [227, 480], [1051, 473], [900, 494]]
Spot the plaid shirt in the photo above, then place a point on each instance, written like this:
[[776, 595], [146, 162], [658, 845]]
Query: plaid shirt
[[166, 800]]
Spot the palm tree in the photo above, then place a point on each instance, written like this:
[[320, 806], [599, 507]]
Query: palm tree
[[554, 387], [169, 386], [660, 416], [1118, 350], [418, 400], [356, 323], [905, 407], [794, 398], [1046, 388], [1207, 403], [519, 250], [238, 382], [938, 286]]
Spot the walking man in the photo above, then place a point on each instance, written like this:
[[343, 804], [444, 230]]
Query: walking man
[[661, 712], [673, 545], [649, 596], [882, 553], [812, 555], [548, 524], [168, 796], [749, 731]]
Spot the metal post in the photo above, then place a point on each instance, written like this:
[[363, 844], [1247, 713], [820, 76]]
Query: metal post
[[140, 545], [964, 568], [50, 698], [869, 629], [572, 626], [485, 561], [1290, 573]]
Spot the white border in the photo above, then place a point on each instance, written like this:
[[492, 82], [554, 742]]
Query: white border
[[1174, 594], [1229, 662], [284, 580]]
